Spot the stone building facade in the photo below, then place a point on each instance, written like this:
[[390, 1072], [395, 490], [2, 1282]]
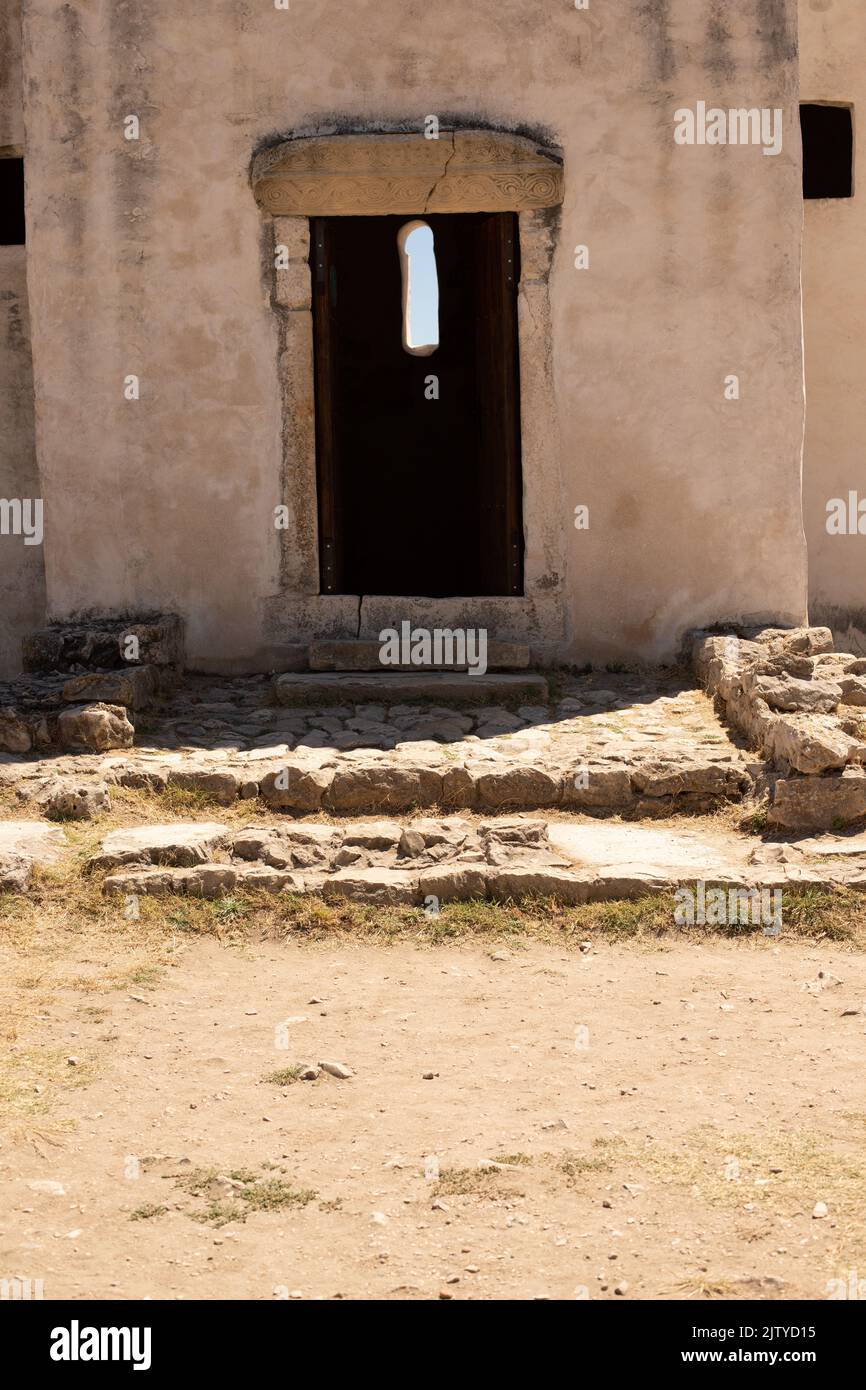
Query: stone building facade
[[165, 387]]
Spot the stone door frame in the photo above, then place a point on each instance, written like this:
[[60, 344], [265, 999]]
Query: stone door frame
[[377, 174]]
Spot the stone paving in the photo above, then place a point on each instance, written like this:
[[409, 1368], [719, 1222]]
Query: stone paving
[[636, 745]]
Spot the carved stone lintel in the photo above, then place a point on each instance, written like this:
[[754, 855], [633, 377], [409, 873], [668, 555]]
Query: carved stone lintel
[[362, 175]]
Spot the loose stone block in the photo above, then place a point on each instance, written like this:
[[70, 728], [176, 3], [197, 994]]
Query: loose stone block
[[817, 745], [212, 880], [384, 788], [459, 788], [682, 779], [518, 786], [134, 688], [63, 798], [14, 732], [296, 789], [271, 880], [853, 690], [792, 694], [820, 803], [454, 882], [607, 789], [223, 786], [526, 881], [24, 844], [385, 887], [180, 845], [94, 727], [377, 834]]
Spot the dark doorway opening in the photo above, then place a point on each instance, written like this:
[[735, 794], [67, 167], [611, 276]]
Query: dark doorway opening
[[828, 150], [419, 480], [11, 202]]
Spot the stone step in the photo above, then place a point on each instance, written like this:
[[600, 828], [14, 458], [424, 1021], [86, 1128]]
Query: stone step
[[364, 655], [398, 687], [454, 858]]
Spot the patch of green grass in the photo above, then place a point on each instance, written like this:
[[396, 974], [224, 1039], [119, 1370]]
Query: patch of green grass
[[256, 1193], [575, 1165], [147, 1212], [756, 823], [33, 1066], [229, 909], [839, 915], [180, 918], [218, 1214], [788, 1170], [475, 917], [183, 800], [145, 975], [273, 1194], [652, 914], [472, 1182], [286, 1076]]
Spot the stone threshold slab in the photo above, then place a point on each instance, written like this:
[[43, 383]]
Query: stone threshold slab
[[366, 656], [402, 687]]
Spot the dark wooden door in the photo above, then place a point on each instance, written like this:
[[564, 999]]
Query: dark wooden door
[[419, 482]]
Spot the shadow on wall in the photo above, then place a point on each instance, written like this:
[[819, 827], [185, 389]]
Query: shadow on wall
[[22, 572]]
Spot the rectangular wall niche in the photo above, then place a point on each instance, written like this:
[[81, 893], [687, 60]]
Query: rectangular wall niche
[[12, 231], [418, 453], [828, 150]]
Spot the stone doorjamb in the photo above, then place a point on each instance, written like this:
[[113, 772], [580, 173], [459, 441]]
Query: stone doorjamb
[[378, 174]]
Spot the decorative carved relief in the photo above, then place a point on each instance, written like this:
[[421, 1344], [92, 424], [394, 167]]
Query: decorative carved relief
[[359, 175]]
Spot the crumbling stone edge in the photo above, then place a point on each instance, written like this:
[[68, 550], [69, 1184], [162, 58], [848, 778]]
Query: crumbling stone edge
[[801, 705]]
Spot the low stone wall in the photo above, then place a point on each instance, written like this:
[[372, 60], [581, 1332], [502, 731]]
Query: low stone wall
[[101, 644], [801, 705], [83, 679]]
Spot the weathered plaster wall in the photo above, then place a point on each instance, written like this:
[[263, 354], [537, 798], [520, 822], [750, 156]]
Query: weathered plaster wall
[[22, 585], [833, 68], [11, 109], [149, 257]]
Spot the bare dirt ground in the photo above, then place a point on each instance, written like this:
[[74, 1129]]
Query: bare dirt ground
[[666, 1117]]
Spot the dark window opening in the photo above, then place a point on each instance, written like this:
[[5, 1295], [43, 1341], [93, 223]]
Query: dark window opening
[[828, 151], [11, 202], [418, 453]]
